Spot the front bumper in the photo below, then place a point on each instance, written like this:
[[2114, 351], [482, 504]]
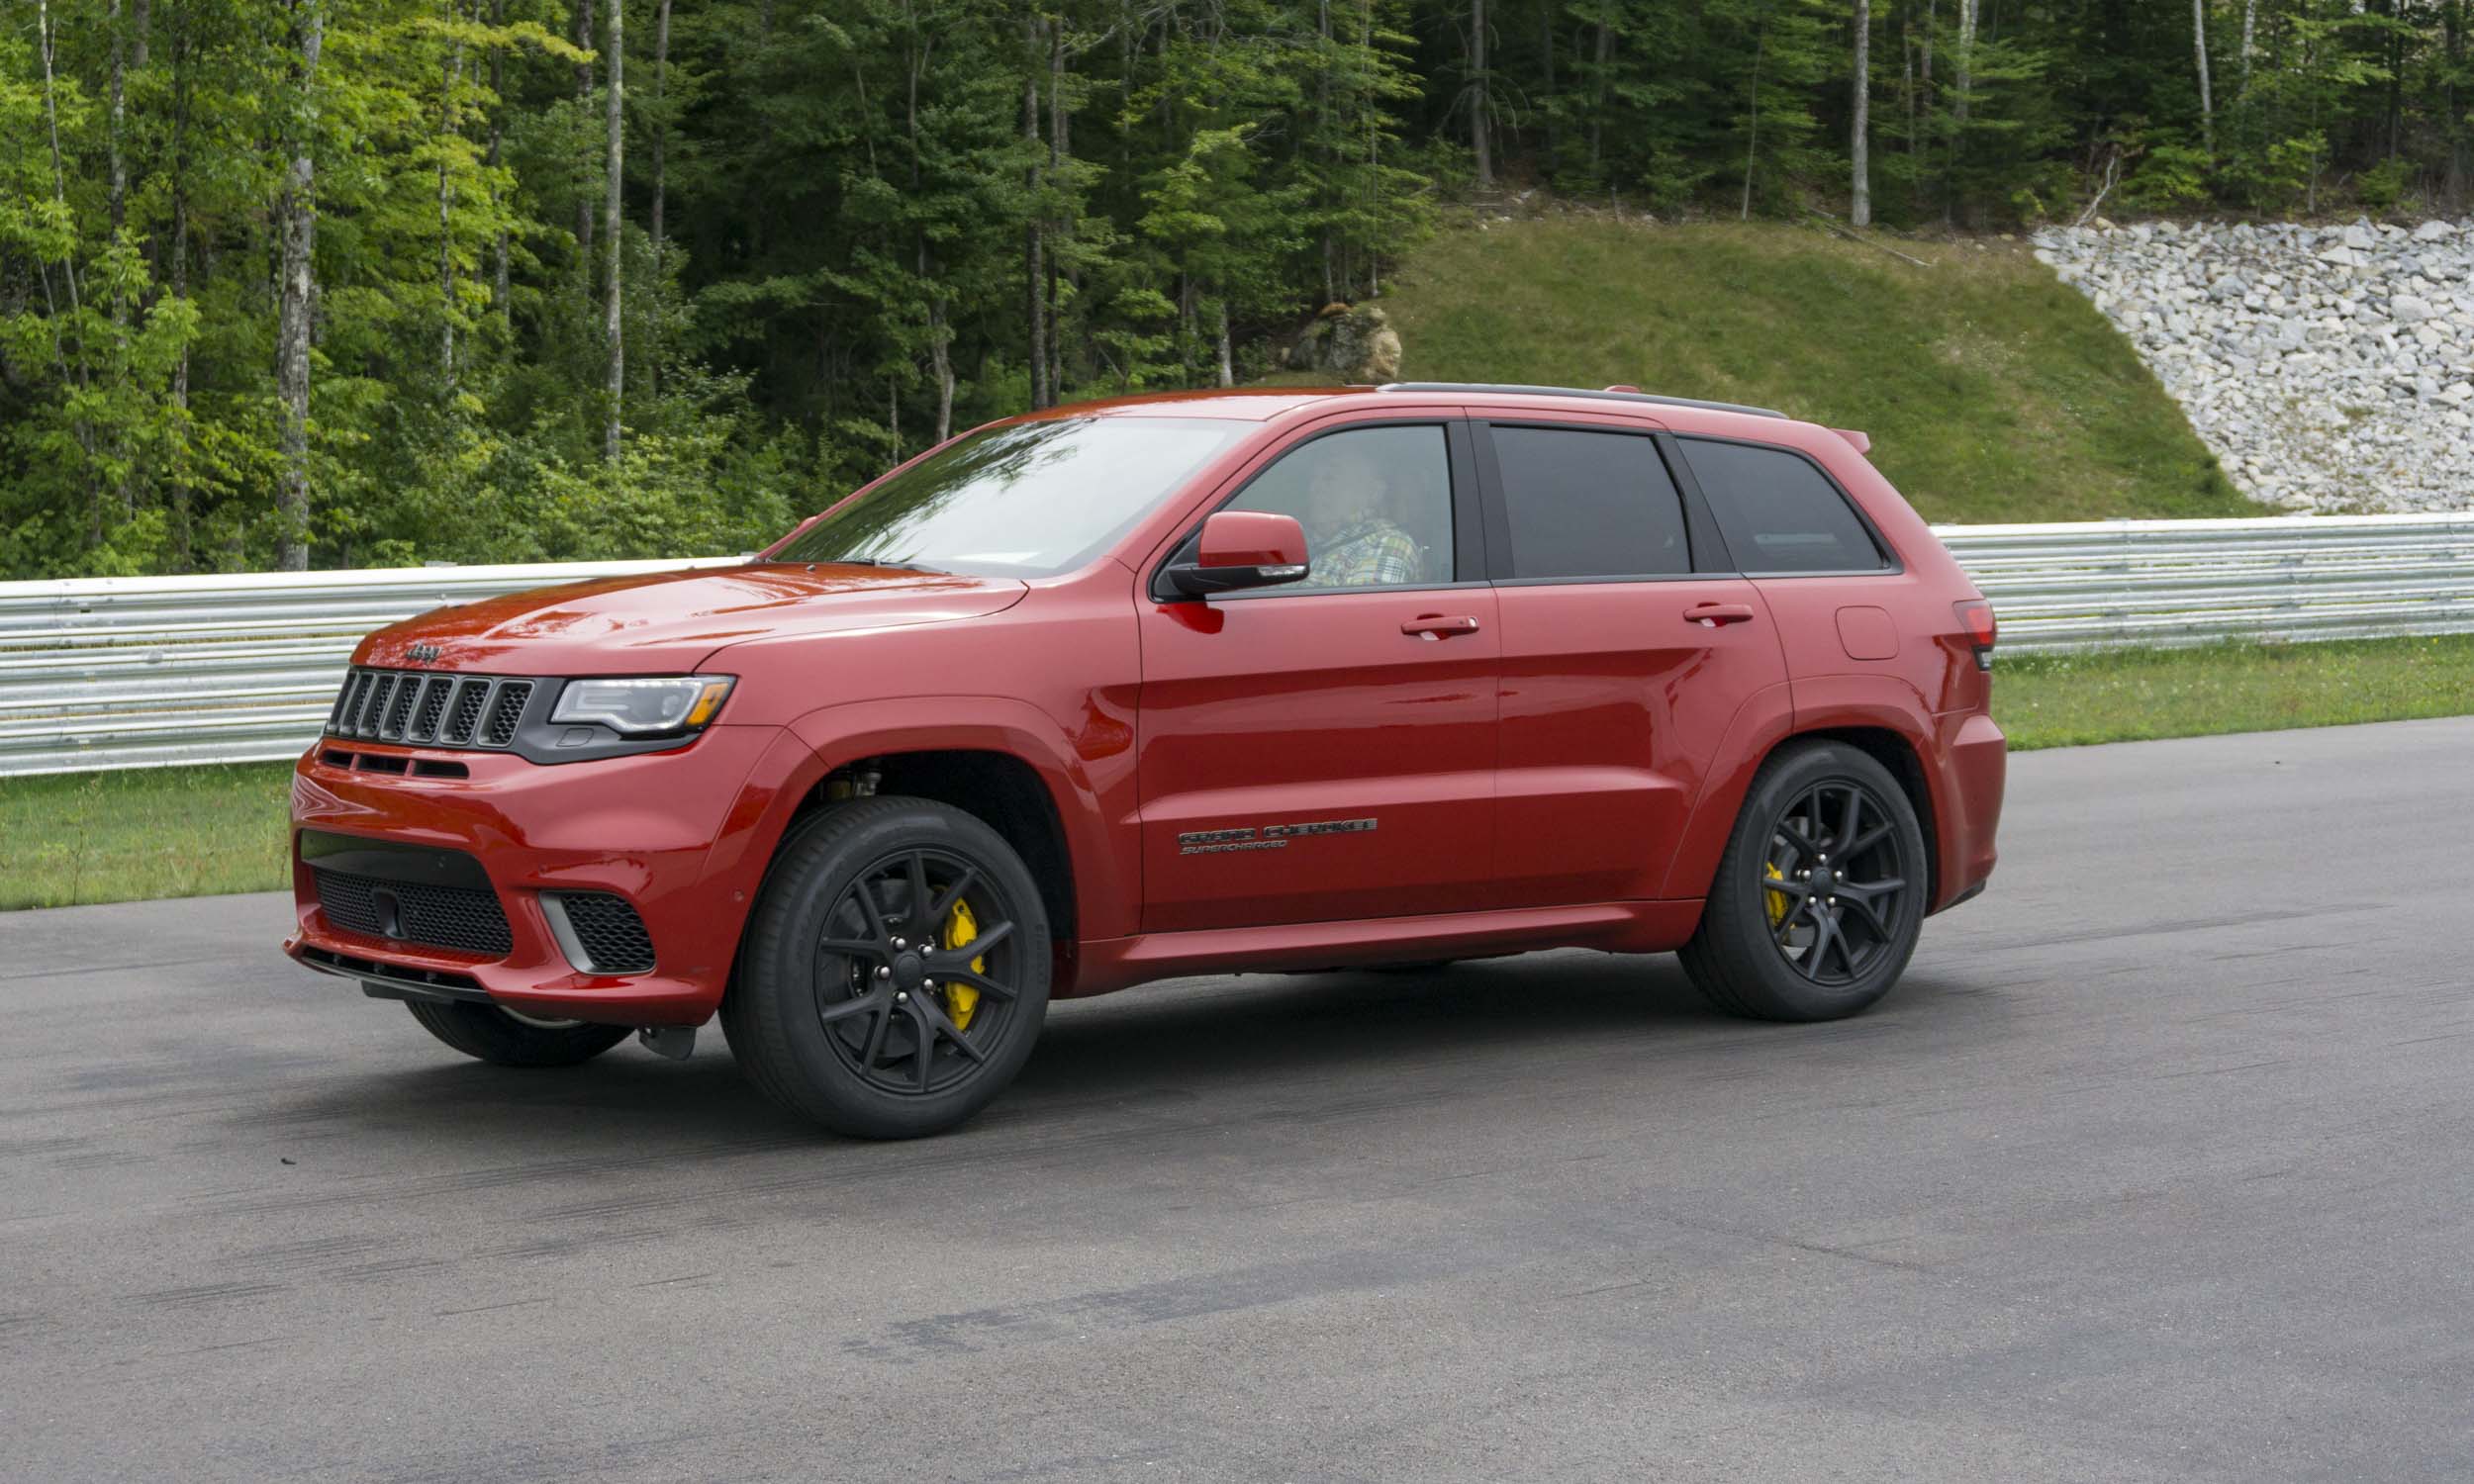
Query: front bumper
[[647, 828]]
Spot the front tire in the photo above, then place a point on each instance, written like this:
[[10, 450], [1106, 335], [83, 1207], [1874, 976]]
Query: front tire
[[503, 1038], [896, 973], [1821, 893]]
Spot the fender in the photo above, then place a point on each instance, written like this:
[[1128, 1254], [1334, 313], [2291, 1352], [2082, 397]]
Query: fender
[[1833, 702], [1088, 777]]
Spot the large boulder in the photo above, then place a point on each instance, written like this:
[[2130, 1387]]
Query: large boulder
[[1353, 343]]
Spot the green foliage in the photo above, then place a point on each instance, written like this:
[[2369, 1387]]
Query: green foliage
[[852, 196]]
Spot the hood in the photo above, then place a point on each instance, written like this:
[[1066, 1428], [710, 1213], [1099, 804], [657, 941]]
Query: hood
[[671, 622]]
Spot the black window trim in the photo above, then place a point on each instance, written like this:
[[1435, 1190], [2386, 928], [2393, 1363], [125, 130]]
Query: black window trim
[[1468, 533], [1700, 528], [1892, 564]]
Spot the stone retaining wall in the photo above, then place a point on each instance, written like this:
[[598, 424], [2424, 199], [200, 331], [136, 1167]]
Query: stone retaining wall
[[2329, 368]]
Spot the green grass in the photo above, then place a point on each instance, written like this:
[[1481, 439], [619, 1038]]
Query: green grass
[[2122, 695], [190, 831], [85, 837], [1991, 391]]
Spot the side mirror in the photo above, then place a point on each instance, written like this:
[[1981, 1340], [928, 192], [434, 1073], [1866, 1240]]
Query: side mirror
[[1241, 549]]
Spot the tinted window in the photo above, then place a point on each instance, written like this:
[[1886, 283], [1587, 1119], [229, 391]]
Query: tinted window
[[1376, 504], [1588, 504], [1033, 498], [1778, 513]]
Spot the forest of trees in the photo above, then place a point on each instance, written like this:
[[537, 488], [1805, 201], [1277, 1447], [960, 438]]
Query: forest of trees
[[288, 283]]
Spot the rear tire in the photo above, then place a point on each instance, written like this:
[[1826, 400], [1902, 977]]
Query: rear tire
[[1797, 873], [489, 1033], [847, 1011]]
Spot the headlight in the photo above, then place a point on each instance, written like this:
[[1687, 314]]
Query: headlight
[[643, 707]]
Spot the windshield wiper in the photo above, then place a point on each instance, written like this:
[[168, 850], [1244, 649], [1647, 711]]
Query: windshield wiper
[[865, 561]]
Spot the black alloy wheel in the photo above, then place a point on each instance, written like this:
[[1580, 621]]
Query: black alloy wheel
[[1821, 893], [1838, 880], [896, 969], [906, 1012]]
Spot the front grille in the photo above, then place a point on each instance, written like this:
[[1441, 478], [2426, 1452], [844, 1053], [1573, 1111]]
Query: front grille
[[430, 710], [609, 931], [465, 918]]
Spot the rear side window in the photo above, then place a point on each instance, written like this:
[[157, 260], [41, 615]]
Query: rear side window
[[1587, 504], [1777, 512]]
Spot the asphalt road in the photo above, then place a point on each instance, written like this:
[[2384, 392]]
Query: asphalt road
[[2156, 1166]]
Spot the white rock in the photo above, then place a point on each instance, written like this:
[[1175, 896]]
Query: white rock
[[2432, 231]]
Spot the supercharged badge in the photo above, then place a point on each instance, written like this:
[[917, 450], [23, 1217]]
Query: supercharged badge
[[1264, 836]]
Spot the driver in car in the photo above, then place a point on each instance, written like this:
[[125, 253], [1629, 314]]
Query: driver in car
[[1355, 541]]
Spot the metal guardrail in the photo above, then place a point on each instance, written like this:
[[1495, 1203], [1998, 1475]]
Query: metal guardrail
[[144, 672]]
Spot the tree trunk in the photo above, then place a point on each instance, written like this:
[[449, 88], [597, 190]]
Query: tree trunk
[[1547, 13], [180, 286], [661, 126], [1228, 362], [447, 126], [2250, 31], [1967, 57], [120, 167], [1480, 102], [1752, 123], [2452, 29], [497, 113], [584, 185], [613, 190], [298, 212], [1036, 300], [1597, 96], [1057, 153], [2207, 102], [1860, 147], [941, 363]]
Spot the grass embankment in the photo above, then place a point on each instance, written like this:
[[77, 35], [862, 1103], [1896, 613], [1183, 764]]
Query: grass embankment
[[190, 831], [1991, 391]]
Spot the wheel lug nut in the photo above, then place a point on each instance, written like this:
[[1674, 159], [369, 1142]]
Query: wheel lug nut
[[883, 973], [900, 998]]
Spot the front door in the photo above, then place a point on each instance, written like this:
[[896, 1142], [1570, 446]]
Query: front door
[[1325, 750]]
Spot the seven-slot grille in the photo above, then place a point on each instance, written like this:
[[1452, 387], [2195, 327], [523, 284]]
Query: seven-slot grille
[[430, 710]]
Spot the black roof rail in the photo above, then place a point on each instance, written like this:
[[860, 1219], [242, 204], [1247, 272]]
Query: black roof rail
[[1608, 395]]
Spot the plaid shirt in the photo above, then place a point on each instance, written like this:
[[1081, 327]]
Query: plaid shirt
[[1367, 553]]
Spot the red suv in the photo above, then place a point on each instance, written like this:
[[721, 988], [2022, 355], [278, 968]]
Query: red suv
[[1177, 685]]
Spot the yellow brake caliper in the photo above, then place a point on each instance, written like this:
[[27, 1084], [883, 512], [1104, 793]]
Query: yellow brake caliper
[[961, 1001], [1777, 901]]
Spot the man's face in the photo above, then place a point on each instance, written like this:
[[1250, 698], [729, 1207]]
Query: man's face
[[1347, 490]]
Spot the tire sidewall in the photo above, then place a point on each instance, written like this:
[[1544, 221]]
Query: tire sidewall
[[812, 871]]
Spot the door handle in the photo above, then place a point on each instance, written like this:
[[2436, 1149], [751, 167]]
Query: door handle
[[1440, 625], [1717, 614]]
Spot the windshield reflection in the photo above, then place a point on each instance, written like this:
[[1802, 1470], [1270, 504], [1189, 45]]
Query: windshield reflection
[[1027, 499]]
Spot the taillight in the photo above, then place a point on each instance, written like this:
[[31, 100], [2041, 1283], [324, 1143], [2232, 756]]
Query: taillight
[[1976, 616]]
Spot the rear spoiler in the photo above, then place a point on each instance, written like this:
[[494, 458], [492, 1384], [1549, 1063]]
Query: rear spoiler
[[1863, 441]]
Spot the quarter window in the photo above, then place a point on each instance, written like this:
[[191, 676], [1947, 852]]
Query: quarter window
[[1777, 512], [1376, 504], [1588, 504]]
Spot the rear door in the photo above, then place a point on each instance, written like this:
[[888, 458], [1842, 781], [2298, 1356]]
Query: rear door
[[1628, 646], [1842, 603], [1325, 750]]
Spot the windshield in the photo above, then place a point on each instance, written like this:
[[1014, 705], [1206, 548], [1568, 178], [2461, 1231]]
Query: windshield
[[1029, 499]]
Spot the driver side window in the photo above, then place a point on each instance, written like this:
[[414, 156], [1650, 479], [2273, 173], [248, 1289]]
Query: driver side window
[[1376, 504]]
